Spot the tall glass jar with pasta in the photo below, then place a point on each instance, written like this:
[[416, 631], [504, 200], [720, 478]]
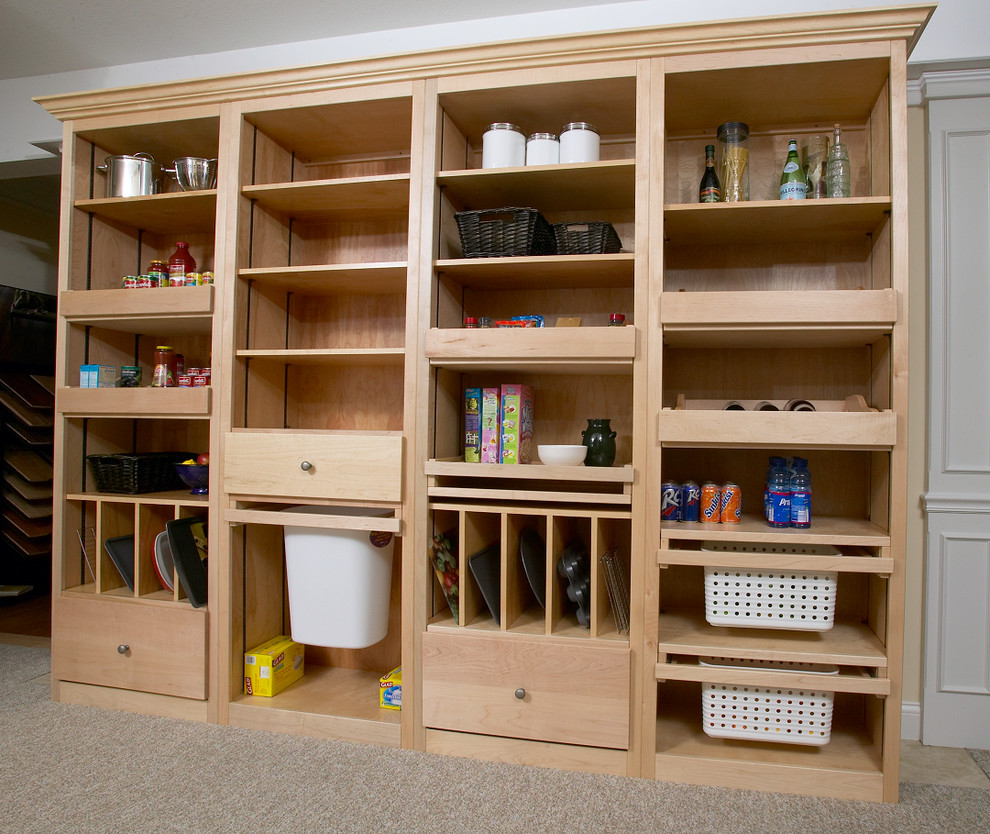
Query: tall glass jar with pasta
[[733, 161]]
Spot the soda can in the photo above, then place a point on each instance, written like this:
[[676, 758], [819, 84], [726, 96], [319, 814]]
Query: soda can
[[711, 502], [690, 501], [730, 507], [670, 501]]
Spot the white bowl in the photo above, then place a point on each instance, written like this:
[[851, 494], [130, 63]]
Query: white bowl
[[562, 455]]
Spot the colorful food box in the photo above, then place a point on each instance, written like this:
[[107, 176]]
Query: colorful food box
[[516, 420], [472, 425], [390, 689], [272, 666], [491, 435], [97, 376]]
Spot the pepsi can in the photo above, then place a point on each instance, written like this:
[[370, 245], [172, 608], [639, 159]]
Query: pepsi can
[[670, 501], [690, 501]]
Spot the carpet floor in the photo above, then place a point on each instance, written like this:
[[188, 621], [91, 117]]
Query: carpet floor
[[80, 769]]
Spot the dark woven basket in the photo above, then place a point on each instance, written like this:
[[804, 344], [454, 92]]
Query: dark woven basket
[[133, 474], [586, 238], [504, 233]]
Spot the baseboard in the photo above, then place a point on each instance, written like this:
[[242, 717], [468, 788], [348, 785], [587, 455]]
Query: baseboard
[[911, 721]]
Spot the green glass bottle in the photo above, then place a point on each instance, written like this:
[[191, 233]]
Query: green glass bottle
[[709, 191], [793, 182]]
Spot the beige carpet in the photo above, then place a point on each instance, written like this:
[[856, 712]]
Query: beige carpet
[[79, 769]]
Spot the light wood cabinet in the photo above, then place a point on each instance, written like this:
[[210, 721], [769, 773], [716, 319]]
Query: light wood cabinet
[[341, 364]]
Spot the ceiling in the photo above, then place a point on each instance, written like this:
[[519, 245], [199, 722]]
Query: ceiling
[[40, 37]]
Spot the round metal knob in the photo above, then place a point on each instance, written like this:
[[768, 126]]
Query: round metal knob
[[305, 466], [123, 648], [520, 693]]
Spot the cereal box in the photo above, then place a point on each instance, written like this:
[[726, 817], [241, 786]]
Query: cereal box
[[491, 436], [390, 689], [472, 425], [272, 666], [516, 419]]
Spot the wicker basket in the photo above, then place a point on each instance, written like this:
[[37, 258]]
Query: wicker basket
[[586, 238], [505, 233], [767, 713], [134, 474]]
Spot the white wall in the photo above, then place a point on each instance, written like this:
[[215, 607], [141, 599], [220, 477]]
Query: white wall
[[956, 33]]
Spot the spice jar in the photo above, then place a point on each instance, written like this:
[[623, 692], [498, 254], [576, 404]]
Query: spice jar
[[579, 142], [542, 149], [164, 376], [503, 146], [733, 161]]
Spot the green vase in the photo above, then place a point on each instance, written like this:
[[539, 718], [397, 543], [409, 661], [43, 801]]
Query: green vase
[[600, 440]]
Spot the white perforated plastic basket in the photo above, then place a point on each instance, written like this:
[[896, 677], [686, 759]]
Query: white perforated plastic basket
[[777, 714], [750, 597]]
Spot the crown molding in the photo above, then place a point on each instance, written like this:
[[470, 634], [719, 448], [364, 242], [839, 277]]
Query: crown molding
[[950, 83]]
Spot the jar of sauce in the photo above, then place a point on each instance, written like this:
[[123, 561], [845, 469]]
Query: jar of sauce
[[165, 368]]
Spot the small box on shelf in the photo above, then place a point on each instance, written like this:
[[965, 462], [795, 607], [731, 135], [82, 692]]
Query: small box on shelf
[[272, 666], [97, 376]]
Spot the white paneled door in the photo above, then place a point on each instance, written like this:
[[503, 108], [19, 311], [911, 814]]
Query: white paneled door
[[956, 708]]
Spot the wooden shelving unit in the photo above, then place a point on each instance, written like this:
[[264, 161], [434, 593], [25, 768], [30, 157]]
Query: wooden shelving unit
[[335, 330]]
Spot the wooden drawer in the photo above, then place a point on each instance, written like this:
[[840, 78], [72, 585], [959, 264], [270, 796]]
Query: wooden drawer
[[571, 694], [166, 645], [360, 467]]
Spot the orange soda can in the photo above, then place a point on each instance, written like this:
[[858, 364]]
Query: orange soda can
[[711, 503], [730, 507]]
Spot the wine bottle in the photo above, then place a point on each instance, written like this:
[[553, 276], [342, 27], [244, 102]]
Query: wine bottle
[[837, 170], [709, 191], [793, 182]]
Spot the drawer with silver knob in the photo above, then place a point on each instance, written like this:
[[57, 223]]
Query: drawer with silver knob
[[527, 688]]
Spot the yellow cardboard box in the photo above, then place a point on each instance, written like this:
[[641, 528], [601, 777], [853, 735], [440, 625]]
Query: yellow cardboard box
[[390, 689], [272, 666]]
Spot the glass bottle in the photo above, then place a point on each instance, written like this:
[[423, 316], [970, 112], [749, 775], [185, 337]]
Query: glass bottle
[[837, 170], [179, 263], [793, 183], [709, 191]]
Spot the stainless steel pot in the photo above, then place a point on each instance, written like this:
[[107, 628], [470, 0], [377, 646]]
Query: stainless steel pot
[[131, 176]]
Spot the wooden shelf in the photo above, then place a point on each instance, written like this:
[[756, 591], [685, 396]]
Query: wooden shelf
[[824, 530], [608, 184], [130, 403], [171, 498], [331, 279], [531, 623], [839, 318], [685, 631], [795, 430], [849, 766], [326, 702], [603, 350], [767, 221], [541, 271], [355, 357], [160, 213], [173, 311], [855, 680], [532, 471], [352, 197]]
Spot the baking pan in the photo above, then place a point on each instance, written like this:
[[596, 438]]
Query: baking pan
[[121, 550], [485, 569], [187, 541]]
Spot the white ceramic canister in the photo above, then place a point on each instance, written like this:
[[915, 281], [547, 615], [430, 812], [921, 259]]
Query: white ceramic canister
[[542, 149], [579, 142], [503, 146]]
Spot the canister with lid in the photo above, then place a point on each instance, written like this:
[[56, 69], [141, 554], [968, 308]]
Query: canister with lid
[[503, 146], [733, 161], [580, 142], [542, 149]]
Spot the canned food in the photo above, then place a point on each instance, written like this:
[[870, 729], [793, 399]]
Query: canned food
[[711, 502], [670, 501], [193, 279], [144, 282], [207, 278], [200, 380], [690, 501], [129, 282], [185, 381], [730, 506]]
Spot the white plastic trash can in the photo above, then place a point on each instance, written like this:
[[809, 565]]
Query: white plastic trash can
[[339, 581]]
